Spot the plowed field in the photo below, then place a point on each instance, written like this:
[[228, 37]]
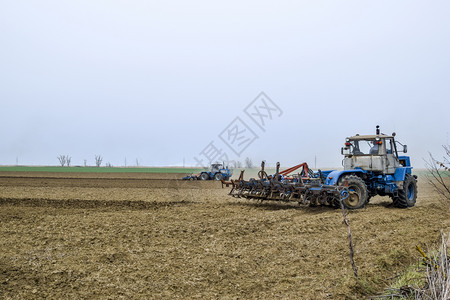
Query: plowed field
[[84, 235]]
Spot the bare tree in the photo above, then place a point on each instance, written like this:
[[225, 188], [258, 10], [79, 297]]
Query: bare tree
[[137, 162], [98, 160], [68, 160], [85, 162], [439, 173], [62, 160], [248, 163], [236, 164]]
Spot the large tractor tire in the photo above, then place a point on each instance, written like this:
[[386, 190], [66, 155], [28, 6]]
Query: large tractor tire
[[408, 195], [204, 176], [218, 176], [358, 192]]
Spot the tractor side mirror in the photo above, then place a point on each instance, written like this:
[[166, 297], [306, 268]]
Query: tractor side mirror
[[405, 148]]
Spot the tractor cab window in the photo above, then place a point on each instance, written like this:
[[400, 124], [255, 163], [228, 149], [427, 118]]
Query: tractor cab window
[[389, 147], [364, 147]]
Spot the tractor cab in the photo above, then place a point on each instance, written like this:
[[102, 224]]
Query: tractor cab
[[216, 168], [376, 153]]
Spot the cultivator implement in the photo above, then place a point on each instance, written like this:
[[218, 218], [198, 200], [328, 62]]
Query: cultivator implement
[[305, 187]]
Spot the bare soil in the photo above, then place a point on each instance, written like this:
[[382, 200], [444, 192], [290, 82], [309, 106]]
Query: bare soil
[[152, 236]]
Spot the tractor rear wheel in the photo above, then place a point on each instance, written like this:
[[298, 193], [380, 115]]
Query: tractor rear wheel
[[408, 195], [204, 176], [218, 176], [358, 195]]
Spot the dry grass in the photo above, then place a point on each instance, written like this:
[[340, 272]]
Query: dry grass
[[190, 241], [438, 275], [428, 280]]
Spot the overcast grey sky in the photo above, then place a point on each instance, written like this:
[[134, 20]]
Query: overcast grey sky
[[159, 81]]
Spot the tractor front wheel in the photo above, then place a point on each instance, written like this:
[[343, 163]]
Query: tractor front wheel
[[358, 193], [407, 196], [218, 176]]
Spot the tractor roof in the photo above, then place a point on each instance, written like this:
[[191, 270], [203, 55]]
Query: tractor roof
[[369, 137]]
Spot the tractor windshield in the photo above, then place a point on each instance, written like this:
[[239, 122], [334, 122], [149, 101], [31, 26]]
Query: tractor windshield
[[363, 147]]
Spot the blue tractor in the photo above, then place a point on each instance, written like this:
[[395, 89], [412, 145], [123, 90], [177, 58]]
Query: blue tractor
[[372, 167], [218, 172]]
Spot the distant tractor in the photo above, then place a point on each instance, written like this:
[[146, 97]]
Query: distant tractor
[[372, 167], [218, 172]]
